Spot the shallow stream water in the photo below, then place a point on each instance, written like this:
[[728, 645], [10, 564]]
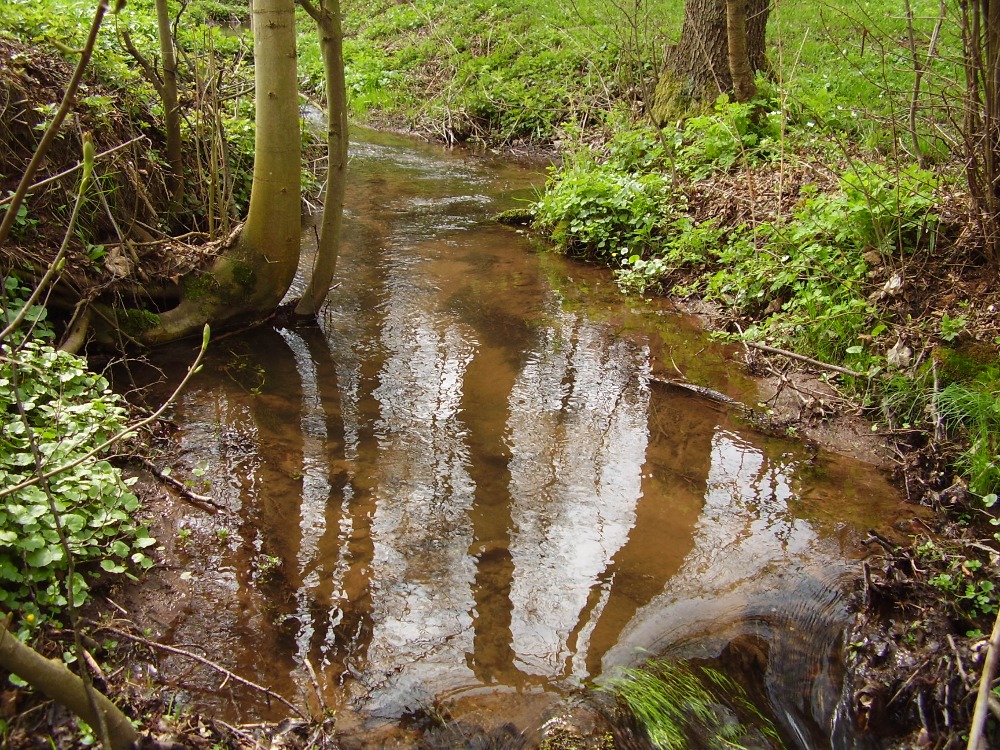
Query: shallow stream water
[[463, 497]]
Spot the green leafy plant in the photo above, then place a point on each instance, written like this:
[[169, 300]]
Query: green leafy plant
[[732, 132], [52, 403], [599, 213], [964, 580], [951, 328]]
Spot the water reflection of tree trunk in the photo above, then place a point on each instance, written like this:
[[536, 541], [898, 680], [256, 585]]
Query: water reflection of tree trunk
[[677, 466], [490, 379], [274, 525], [236, 436], [325, 511]]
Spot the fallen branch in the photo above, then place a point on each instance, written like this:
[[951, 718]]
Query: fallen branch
[[202, 502], [985, 683], [53, 678], [807, 360], [212, 665]]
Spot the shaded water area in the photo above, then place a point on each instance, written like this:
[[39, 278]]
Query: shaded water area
[[464, 496]]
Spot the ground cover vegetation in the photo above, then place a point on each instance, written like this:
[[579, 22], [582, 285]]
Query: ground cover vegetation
[[842, 211]]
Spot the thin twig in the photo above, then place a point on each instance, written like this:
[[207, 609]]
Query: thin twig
[[315, 684], [211, 664], [239, 733], [807, 360], [66, 172]]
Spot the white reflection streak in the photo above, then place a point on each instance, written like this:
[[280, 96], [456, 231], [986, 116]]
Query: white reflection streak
[[577, 432], [744, 542], [421, 531], [315, 487], [745, 522]]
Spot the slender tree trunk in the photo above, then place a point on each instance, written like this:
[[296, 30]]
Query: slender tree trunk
[[171, 110], [271, 236], [740, 69], [55, 680], [328, 24], [250, 277]]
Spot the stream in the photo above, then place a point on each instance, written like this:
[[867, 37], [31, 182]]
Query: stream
[[463, 497]]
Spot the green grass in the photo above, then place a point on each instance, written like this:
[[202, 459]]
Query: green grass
[[675, 701]]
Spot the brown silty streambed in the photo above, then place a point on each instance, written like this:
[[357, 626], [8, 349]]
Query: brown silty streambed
[[463, 495]]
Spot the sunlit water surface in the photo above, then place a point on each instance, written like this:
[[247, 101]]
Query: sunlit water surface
[[463, 495]]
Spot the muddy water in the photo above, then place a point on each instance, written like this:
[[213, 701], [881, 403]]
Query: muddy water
[[465, 495]]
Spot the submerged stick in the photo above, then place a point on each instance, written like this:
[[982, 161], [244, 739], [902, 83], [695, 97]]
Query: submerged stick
[[699, 390], [212, 665], [202, 502]]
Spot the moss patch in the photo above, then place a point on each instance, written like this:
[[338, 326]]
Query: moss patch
[[245, 276], [670, 102], [965, 363], [134, 321], [197, 285], [516, 217]]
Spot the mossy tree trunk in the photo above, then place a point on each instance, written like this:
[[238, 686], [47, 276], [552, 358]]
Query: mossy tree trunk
[[701, 65], [328, 24], [251, 275]]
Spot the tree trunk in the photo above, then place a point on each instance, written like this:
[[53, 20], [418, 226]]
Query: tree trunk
[[55, 680], [981, 122], [697, 68], [744, 86], [328, 24], [171, 110], [250, 277]]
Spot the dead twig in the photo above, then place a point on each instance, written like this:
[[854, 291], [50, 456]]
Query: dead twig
[[807, 360], [202, 502]]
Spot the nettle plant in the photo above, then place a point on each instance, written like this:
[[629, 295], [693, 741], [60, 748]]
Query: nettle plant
[[54, 414]]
